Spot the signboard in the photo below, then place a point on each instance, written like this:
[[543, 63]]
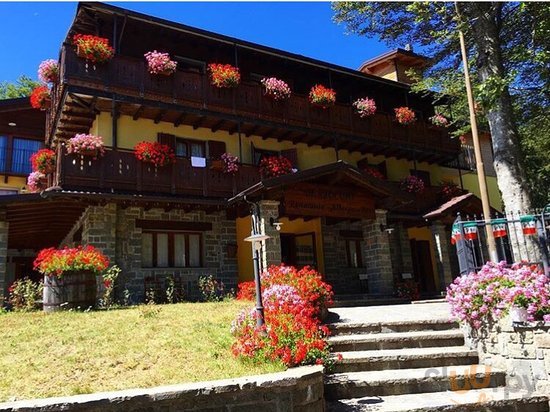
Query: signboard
[[308, 199]]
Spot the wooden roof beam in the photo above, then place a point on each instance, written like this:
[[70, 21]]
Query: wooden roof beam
[[198, 123], [284, 136], [180, 119], [138, 112], [252, 131], [269, 134], [159, 116], [217, 125]]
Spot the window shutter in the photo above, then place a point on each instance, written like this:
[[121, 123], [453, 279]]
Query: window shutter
[[292, 155], [167, 139], [215, 149]]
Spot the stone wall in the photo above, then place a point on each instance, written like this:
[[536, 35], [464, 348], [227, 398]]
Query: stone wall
[[523, 352], [296, 390], [377, 254], [4, 225]]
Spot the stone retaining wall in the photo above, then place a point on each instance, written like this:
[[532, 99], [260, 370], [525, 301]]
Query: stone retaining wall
[[295, 390], [523, 352]]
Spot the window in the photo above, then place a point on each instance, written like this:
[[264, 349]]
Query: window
[[259, 154], [171, 249], [15, 153], [188, 148], [353, 252]]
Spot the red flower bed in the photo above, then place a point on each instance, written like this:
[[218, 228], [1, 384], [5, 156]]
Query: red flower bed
[[43, 161], [40, 98], [274, 166], [224, 75], [55, 262], [154, 152], [247, 291], [93, 48], [292, 333]]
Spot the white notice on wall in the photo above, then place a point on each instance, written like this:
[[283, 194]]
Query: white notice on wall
[[198, 161]]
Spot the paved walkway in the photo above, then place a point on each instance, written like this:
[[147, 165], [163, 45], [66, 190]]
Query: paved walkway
[[391, 313]]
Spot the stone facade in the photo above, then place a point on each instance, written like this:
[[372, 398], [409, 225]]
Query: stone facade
[[523, 352], [296, 390], [400, 248], [377, 254], [113, 230]]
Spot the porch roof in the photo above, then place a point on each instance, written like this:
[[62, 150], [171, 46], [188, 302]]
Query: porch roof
[[467, 203]]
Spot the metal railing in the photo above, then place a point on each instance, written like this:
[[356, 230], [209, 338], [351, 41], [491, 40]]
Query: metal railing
[[519, 237]]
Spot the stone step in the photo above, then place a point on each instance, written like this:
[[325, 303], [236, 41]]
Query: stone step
[[407, 381], [407, 358], [397, 340], [500, 399], [345, 328], [345, 301]]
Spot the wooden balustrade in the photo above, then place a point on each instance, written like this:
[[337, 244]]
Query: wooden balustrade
[[120, 171], [126, 75]]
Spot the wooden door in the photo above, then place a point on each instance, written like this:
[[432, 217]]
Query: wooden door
[[422, 265]]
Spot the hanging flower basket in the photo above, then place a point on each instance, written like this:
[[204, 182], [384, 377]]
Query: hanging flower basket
[[365, 107], [43, 161], [322, 96], [41, 98], [449, 190], [160, 63], [224, 75], [48, 71], [87, 145], [404, 116], [155, 153], [93, 48], [439, 120], [37, 182], [274, 166], [276, 89], [230, 163], [412, 184]]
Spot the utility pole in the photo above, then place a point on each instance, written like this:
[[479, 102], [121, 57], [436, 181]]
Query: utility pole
[[477, 150]]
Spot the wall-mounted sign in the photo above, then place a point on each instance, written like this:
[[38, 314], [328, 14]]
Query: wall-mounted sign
[[306, 199]]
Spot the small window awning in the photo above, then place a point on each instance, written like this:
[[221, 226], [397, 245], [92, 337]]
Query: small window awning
[[466, 204]]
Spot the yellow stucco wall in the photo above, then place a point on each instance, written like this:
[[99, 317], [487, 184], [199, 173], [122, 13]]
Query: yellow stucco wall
[[13, 183], [424, 233]]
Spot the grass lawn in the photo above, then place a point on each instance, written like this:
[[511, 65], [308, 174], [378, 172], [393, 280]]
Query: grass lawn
[[72, 353]]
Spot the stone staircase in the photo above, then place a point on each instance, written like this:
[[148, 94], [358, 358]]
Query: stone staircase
[[416, 366]]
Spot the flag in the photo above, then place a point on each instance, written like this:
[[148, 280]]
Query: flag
[[470, 230], [455, 234], [499, 227], [528, 225]]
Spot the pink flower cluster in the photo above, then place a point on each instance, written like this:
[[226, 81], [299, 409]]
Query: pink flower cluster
[[35, 181], [230, 163], [490, 292], [48, 71], [412, 184], [275, 88], [439, 120], [365, 107], [160, 63], [86, 145], [279, 296]]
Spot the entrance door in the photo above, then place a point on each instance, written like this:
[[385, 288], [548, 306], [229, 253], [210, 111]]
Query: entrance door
[[298, 249], [422, 265]]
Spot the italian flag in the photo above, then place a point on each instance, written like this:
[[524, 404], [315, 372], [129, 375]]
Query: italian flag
[[470, 230], [455, 234], [528, 225], [499, 227]]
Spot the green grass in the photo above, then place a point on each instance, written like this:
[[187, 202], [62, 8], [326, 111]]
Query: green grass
[[70, 353]]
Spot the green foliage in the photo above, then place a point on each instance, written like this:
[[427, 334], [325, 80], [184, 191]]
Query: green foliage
[[22, 87], [109, 282], [24, 295], [211, 289]]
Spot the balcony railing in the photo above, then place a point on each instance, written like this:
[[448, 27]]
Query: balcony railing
[[128, 76], [120, 171]]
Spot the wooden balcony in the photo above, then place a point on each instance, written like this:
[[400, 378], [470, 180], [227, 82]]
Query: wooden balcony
[[120, 172], [191, 94]]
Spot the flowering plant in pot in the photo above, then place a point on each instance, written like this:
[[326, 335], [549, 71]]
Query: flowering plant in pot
[[86, 145], [365, 107], [404, 116], [94, 49], [230, 163], [40, 98], [322, 96], [48, 71], [224, 75], [57, 262], [36, 182], [439, 120], [412, 184], [43, 161], [155, 153], [275, 88], [449, 189], [372, 171], [160, 63], [273, 166]]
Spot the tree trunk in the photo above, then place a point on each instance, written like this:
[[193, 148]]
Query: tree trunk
[[506, 149]]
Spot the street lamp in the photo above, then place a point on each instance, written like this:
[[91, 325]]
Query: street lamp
[[256, 239]]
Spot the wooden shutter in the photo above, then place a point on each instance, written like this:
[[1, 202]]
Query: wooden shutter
[[292, 155], [168, 139], [215, 149]]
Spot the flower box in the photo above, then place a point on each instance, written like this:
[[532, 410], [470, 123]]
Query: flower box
[[230, 163], [276, 89], [439, 120], [43, 161], [160, 63], [48, 71], [224, 75], [93, 48], [274, 166], [86, 145], [365, 107], [322, 96], [412, 184], [41, 98], [37, 182], [155, 153], [405, 116]]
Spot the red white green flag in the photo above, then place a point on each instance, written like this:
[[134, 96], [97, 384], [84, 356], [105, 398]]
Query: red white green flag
[[470, 230], [528, 225], [455, 234], [499, 227]]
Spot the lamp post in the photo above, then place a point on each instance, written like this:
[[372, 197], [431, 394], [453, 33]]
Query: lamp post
[[256, 239]]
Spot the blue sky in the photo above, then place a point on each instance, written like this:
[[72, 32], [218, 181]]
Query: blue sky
[[32, 32]]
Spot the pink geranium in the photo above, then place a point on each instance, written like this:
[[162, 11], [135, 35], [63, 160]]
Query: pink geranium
[[36, 182], [86, 145], [160, 63], [48, 71], [365, 107]]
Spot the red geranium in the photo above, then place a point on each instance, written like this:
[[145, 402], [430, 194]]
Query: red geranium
[[274, 166], [43, 161], [247, 291], [93, 48], [154, 152], [224, 75], [55, 262], [40, 98], [404, 115], [322, 96]]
